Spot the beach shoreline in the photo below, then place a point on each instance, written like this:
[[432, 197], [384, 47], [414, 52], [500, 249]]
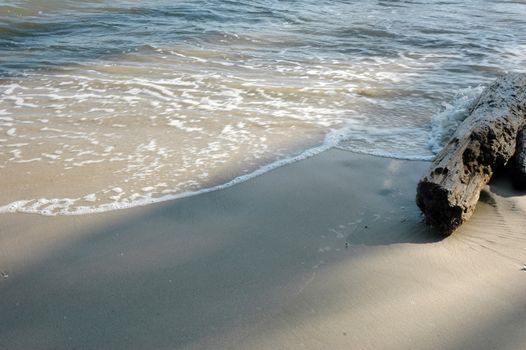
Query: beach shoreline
[[326, 253]]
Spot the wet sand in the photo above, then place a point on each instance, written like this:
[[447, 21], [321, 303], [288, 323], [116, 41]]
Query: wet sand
[[326, 253]]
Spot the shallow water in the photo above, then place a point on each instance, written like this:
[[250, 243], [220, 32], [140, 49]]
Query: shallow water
[[106, 105]]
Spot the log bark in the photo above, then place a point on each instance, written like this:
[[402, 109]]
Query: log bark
[[519, 166], [485, 141]]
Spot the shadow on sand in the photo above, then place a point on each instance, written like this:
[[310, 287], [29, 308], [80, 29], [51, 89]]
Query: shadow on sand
[[175, 274]]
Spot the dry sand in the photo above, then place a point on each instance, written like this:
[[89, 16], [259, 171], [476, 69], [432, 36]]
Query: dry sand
[[327, 253]]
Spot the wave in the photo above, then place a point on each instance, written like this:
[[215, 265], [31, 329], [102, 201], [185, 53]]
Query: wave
[[66, 206]]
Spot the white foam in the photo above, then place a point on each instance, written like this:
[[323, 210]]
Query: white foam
[[65, 206], [446, 122], [406, 142], [398, 143], [51, 156], [117, 190], [90, 197], [22, 161], [89, 161], [181, 125], [11, 88]]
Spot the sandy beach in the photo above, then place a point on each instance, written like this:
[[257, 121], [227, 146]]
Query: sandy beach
[[327, 253], [243, 175]]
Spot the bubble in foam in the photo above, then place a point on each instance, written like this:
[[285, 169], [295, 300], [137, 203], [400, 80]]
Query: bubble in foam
[[90, 197]]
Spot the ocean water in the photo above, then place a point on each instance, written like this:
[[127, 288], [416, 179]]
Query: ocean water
[[113, 104]]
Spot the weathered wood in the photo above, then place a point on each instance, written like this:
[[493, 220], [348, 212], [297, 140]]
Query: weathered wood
[[485, 141], [519, 164]]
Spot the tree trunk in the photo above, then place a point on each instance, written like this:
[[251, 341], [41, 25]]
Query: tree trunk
[[485, 141]]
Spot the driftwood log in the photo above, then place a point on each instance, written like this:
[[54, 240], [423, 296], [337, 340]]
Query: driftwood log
[[519, 165], [484, 142]]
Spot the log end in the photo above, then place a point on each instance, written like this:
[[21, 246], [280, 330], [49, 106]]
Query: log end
[[433, 201], [484, 142]]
